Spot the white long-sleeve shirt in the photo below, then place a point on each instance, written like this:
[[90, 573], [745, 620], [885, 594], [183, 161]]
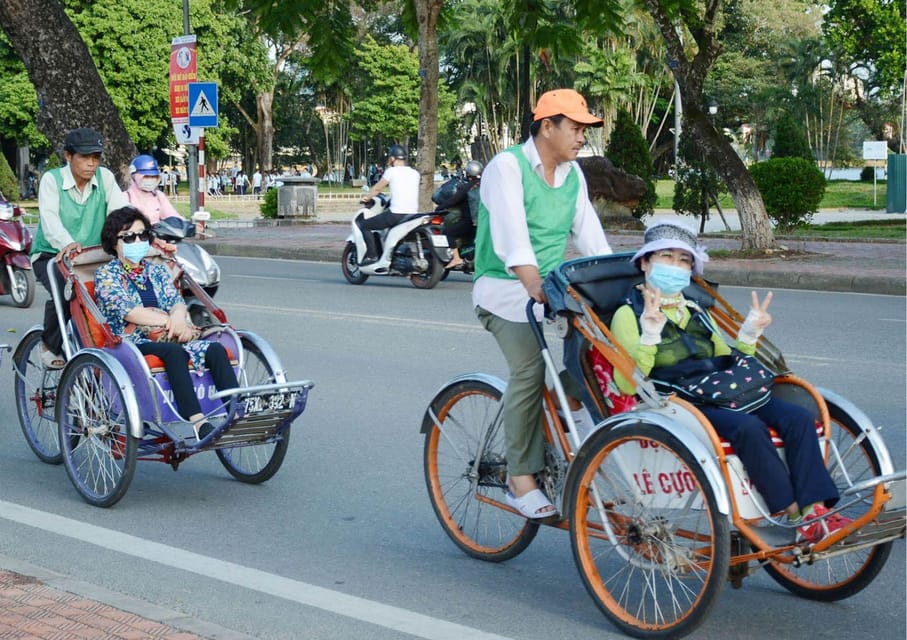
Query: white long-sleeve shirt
[[501, 191]]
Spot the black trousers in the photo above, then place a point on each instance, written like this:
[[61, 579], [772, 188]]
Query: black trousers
[[461, 229], [384, 220], [176, 363], [52, 336]]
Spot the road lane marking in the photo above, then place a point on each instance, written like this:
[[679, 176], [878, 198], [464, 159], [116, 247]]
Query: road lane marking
[[369, 318], [383, 615]]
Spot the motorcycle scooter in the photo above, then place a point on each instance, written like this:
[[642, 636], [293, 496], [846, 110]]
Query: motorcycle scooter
[[414, 248], [16, 276], [193, 258]]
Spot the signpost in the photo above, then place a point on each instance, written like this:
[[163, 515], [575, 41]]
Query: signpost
[[874, 150], [203, 107]]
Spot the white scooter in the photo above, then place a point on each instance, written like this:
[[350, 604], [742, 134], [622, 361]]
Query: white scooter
[[412, 249], [192, 257]]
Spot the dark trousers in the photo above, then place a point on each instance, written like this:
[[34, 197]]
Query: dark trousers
[[52, 336], [383, 220], [176, 363], [805, 480], [461, 229]]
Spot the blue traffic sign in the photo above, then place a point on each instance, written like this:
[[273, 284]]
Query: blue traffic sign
[[202, 104]]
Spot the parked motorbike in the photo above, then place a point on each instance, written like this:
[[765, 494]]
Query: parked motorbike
[[414, 248], [16, 276], [193, 258]]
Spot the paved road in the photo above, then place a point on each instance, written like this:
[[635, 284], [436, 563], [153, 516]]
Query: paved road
[[342, 542]]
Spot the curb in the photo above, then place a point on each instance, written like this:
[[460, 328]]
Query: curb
[[726, 274]]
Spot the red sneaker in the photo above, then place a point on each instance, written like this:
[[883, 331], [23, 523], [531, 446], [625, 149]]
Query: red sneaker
[[815, 526]]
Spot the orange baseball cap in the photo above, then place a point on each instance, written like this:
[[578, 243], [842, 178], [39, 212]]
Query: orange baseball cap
[[565, 102]]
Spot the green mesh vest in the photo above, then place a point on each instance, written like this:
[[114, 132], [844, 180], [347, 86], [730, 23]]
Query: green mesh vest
[[549, 216], [677, 345], [83, 221]]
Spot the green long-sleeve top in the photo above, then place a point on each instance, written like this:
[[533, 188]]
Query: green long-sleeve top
[[625, 328]]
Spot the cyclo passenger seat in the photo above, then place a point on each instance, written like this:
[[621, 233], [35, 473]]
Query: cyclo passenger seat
[[604, 282]]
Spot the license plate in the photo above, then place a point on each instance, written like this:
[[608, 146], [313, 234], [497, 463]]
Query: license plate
[[439, 240], [270, 402]]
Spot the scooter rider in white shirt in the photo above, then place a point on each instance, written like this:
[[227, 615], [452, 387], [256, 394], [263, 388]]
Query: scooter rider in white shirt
[[403, 182]]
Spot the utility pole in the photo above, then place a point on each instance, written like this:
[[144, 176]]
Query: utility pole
[[192, 159]]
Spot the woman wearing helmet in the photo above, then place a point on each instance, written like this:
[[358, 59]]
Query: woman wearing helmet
[[143, 192]]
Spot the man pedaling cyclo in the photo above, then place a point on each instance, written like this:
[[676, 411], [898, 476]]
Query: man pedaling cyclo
[[403, 182]]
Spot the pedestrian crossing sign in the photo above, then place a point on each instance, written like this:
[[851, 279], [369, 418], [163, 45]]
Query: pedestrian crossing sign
[[202, 104]]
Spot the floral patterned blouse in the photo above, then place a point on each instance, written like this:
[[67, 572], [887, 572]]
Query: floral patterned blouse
[[117, 295]]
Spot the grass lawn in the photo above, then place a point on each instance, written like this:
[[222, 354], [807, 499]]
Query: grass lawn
[[839, 194]]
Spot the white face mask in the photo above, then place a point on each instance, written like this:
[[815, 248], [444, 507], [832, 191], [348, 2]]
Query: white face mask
[[149, 184]]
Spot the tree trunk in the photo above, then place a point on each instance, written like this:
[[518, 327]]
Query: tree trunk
[[70, 91], [756, 230], [264, 102], [427, 14]]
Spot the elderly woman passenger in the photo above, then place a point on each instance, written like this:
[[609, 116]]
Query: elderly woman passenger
[[671, 330], [142, 304]]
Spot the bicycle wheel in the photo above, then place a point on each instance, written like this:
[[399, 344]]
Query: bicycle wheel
[[466, 471], [650, 544], [36, 397], [840, 576], [99, 452], [255, 463]]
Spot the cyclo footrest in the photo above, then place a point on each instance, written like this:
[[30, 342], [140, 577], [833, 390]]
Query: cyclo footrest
[[259, 413]]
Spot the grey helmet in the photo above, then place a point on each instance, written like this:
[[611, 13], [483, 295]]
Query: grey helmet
[[396, 151], [474, 169]]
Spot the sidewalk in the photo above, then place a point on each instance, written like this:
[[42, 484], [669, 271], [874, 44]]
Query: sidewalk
[[863, 267], [36, 604]]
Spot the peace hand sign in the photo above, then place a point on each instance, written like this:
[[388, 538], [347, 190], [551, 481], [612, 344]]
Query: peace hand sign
[[759, 317], [652, 319]]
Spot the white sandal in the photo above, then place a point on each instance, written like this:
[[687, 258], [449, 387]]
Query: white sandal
[[531, 505], [51, 360]]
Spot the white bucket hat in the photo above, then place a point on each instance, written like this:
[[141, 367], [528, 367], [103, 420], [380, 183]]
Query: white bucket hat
[[666, 233]]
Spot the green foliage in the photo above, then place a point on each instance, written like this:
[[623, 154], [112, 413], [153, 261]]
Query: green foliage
[[867, 174], [790, 139], [268, 204], [53, 162], [130, 42], [9, 186], [791, 188], [389, 85], [697, 182], [628, 150], [870, 35]]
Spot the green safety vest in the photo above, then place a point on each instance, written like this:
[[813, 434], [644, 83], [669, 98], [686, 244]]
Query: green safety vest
[[549, 216], [83, 221]]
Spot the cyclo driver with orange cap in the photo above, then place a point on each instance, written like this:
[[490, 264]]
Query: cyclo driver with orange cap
[[533, 197]]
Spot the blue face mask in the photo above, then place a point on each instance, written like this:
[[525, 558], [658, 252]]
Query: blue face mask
[[135, 251], [668, 278]]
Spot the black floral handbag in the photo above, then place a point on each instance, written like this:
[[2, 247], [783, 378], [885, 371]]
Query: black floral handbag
[[738, 382]]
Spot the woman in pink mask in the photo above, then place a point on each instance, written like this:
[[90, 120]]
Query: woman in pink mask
[[143, 192]]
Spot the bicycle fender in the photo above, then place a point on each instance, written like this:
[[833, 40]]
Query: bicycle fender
[[280, 374], [703, 454], [866, 426], [137, 428], [428, 421]]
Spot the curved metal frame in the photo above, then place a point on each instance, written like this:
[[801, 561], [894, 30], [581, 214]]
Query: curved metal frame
[[132, 408]]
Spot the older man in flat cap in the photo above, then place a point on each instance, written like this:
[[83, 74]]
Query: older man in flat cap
[[73, 202], [534, 197]]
